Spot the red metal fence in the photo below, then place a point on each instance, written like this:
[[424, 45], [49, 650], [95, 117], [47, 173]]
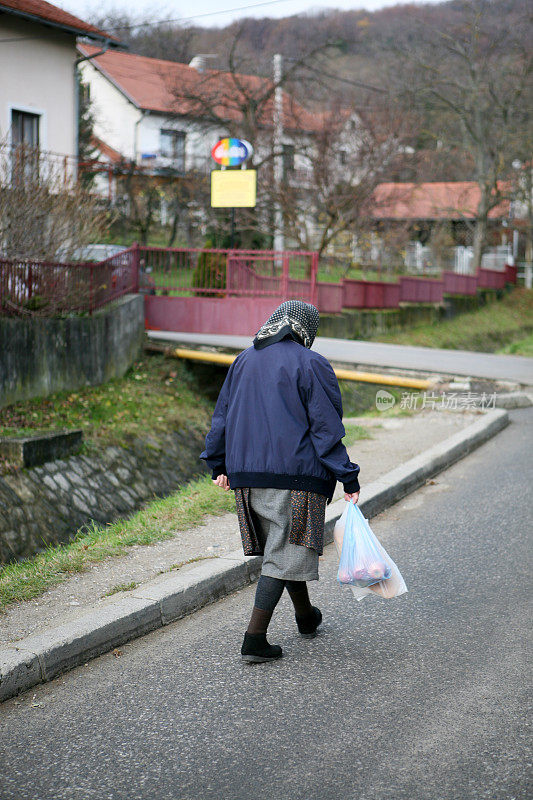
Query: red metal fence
[[49, 288], [370, 294], [190, 272], [421, 290], [490, 279], [511, 273], [262, 277], [459, 284]]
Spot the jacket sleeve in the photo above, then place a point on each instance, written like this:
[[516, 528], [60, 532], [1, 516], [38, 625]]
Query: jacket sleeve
[[215, 442], [324, 410]]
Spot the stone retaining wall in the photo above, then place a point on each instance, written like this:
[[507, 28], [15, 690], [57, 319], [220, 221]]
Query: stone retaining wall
[[47, 504]]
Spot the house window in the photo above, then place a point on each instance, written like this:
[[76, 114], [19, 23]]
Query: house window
[[288, 158], [343, 157], [24, 128], [173, 147]]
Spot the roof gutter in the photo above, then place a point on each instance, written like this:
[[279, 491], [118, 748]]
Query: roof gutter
[[144, 113], [101, 37], [111, 80]]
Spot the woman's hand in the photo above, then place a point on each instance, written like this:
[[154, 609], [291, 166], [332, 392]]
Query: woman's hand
[[222, 481], [352, 498]]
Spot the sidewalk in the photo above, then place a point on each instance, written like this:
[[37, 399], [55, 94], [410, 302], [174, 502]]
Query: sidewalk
[[394, 441]]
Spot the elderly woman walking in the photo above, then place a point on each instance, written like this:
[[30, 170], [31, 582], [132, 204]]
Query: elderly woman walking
[[276, 441]]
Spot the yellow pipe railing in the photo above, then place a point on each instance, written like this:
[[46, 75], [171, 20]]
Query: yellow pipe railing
[[342, 374]]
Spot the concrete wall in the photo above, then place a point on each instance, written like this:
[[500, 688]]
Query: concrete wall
[[37, 75], [41, 356], [365, 323]]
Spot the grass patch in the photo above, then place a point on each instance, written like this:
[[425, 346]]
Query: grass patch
[[359, 399], [521, 347], [354, 433], [121, 587], [156, 395], [487, 329], [161, 519]]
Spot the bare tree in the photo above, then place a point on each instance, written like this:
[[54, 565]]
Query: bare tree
[[331, 165], [186, 197], [351, 153], [142, 194], [156, 39], [474, 82], [45, 212], [241, 104]]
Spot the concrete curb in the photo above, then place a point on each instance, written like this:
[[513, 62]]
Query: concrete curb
[[514, 400], [41, 657]]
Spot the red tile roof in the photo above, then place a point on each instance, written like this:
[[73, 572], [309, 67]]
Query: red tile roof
[[40, 11], [172, 88], [447, 200], [108, 152]]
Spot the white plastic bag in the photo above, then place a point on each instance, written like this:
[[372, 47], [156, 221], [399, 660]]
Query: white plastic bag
[[364, 551]]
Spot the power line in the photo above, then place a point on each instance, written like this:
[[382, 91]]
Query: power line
[[199, 16], [359, 84]]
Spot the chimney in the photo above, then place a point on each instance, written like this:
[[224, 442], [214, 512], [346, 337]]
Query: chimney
[[199, 62]]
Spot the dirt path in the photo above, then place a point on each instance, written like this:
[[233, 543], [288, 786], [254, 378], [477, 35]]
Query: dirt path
[[394, 440]]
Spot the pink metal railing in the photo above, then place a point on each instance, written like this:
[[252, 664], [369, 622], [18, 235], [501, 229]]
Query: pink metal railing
[[211, 272], [421, 290], [49, 288], [37, 287], [490, 279], [370, 294], [510, 273], [454, 283], [330, 297]]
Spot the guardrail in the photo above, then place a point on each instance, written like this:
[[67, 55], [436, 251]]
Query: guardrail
[[48, 288], [210, 272]]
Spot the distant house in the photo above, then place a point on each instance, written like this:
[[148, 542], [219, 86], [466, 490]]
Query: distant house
[[38, 102], [454, 201], [144, 108], [425, 208]]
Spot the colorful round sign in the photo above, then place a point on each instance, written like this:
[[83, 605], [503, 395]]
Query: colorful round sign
[[231, 152]]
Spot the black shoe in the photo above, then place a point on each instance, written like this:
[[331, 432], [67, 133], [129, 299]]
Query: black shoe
[[255, 649], [308, 625]]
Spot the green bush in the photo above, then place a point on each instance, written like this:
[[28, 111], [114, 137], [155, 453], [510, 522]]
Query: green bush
[[210, 273]]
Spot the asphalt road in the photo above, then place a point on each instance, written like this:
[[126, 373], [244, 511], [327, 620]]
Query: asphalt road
[[419, 698], [378, 354]]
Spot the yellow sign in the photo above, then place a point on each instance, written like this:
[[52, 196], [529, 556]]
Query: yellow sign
[[233, 188]]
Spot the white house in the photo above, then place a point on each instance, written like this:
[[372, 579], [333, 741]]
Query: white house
[[141, 110], [38, 97]]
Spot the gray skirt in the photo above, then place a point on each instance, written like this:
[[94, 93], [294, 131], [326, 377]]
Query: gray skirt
[[273, 515]]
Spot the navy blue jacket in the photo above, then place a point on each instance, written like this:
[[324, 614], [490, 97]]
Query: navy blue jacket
[[278, 423]]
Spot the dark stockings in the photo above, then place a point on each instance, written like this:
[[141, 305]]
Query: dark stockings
[[267, 595], [300, 598]]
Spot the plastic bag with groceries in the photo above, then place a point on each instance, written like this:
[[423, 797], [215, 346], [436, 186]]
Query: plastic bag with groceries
[[365, 566]]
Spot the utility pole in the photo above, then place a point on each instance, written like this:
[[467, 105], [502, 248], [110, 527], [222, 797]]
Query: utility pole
[[278, 158]]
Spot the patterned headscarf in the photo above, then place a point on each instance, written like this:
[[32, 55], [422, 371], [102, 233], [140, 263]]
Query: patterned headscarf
[[292, 318]]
